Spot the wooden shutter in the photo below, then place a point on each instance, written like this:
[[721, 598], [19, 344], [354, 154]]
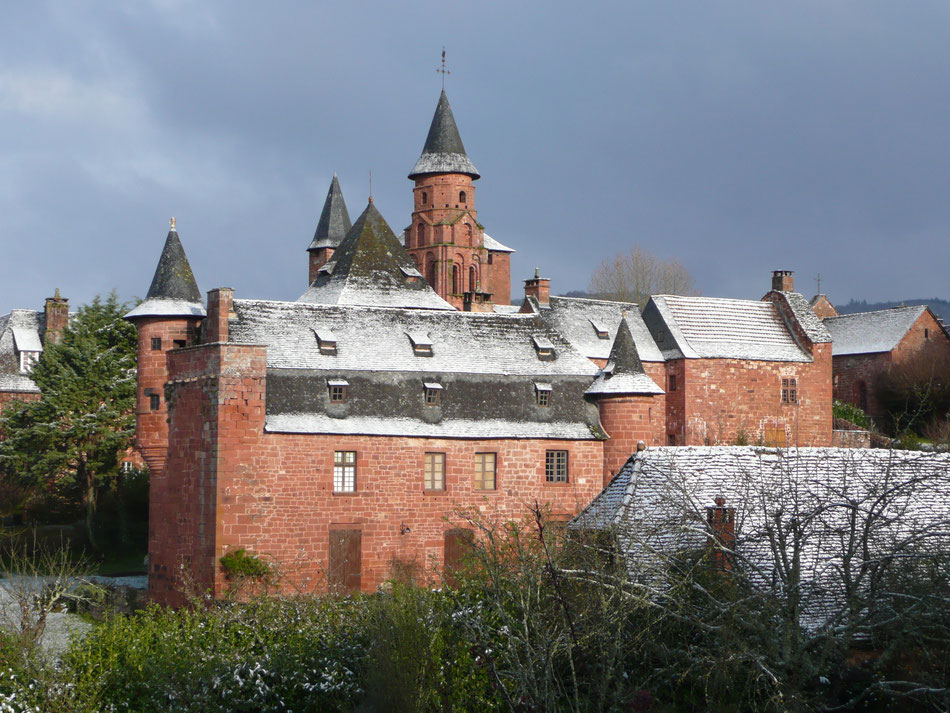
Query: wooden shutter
[[344, 574], [458, 543]]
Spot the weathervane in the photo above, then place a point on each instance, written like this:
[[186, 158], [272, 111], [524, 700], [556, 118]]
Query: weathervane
[[443, 71]]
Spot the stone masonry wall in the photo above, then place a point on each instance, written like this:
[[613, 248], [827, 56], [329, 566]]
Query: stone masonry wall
[[729, 398], [628, 420], [228, 484]]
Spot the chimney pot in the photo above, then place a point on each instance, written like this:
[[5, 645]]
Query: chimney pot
[[783, 280]]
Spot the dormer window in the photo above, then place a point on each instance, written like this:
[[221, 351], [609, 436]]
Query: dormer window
[[326, 268], [27, 360], [544, 348], [337, 389], [543, 394], [601, 331], [326, 341], [421, 344], [433, 393], [411, 272]]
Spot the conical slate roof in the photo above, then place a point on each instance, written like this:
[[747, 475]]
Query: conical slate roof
[[624, 371], [443, 151], [372, 268], [334, 220], [173, 291]]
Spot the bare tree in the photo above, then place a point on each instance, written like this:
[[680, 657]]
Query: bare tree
[[634, 276]]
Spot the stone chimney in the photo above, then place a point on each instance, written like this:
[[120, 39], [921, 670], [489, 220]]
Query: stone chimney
[[477, 302], [57, 317], [783, 280], [539, 288], [220, 306], [722, 540]]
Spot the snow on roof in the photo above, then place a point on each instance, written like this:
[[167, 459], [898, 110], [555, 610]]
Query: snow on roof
[[506, 309], [805, 316], [870, 332], [624, 384], [717, 328], [450, 428], [491, 244], [18, 383], [576, 318], [374, 339], [26, 339], [158, 307], [657, 505]]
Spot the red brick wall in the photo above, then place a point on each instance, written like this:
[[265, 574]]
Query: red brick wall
[[851, 370], [499, 278], [272, 493], [823, 308], [728, 397], [10, 396], [925, 332], [628, 420], [675, 401]]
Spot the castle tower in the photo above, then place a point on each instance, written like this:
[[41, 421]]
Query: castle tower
[[167, 319], [632, 408], [445, 239], [333, 226]]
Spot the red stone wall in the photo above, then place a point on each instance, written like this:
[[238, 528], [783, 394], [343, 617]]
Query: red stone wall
[[7, 397], [318, 258], [925, 332], [675, 401], [726, 398], [273, 493], [851, 370], [628, 420], [151, 429], [823, 308], [499, 278]]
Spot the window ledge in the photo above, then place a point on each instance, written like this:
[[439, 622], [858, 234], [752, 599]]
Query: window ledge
[[435, 493], [345, 493]]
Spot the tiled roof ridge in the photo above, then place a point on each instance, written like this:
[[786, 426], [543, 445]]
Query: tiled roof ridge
[[382, 308], [880, 311], [595, 300]]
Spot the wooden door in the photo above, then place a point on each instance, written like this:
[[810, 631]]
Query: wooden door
[[346, 567], [458, 543]]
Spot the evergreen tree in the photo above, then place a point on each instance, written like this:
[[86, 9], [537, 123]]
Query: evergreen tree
[[71, 439]]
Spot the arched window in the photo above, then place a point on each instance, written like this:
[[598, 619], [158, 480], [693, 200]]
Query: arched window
[[420, 234], [425, 198], [456, 280], [468, 232], [461, 196], [430, 271], [472, 279]]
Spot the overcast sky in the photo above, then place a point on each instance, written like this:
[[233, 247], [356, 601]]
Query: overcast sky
[[738, 137]]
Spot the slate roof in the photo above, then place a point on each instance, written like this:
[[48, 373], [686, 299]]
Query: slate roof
[[657, 506], [717, 328], [807, 319], [372, 268], [871, 332], [576, 318], [173, 291], [20, 329], [623, 373], [334, 221], [486, 363], [443, 151], [491, 244]]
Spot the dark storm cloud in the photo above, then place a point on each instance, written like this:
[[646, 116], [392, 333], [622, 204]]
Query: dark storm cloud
[[738, 137]]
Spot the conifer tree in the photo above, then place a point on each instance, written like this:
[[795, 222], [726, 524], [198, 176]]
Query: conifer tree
[[71, 439]]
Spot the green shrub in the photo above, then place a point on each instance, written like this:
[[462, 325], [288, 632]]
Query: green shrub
[[240, 563], [851, 413]]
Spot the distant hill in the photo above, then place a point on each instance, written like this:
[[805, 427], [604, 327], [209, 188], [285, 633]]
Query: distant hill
[[940, 307]]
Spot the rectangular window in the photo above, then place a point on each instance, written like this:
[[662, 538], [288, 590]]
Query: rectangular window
[[672, 382], [555, 467], [179, 343], [344, 472], [435, 471], [789, 390], [543, 394], [484, 471], [433, 392], [154, 402], [156, 344]]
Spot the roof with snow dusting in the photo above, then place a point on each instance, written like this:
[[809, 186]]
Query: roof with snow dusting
[[443, 151], [20, 330], [871, 332], [580, 320], [658, 502], [173, 291], [717, 328]]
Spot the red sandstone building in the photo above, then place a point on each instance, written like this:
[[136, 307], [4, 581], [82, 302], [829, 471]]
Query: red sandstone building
[[867, 343], [340, 434]]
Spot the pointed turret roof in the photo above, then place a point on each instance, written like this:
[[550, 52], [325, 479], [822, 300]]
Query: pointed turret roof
[[443, 151], [334, 220], [372, 268], [624, 372], [173, 291]]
